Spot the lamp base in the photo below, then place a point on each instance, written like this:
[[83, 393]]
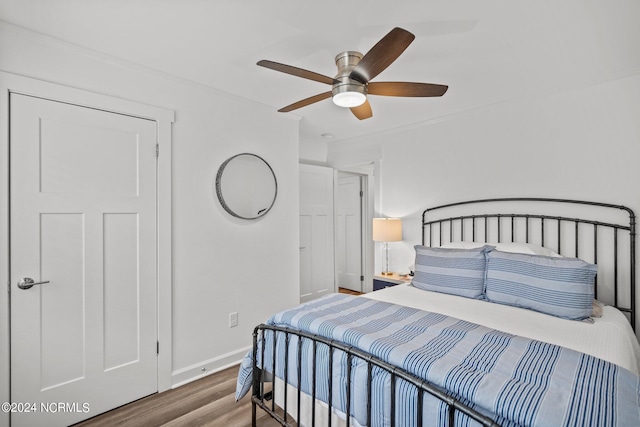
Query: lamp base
[[387, 273]]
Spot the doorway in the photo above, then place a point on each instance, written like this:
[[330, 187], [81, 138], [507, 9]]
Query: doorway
[[349, 231], [67, 175]]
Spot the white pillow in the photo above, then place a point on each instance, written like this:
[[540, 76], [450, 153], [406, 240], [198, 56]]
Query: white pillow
[[512, 247], [463, 245]]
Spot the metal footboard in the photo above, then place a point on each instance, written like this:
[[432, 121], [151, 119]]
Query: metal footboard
[[260, 397]]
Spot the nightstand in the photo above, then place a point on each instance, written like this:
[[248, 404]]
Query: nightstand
[[381, 281]]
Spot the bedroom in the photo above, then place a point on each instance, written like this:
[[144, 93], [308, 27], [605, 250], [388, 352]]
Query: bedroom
[[559, 120]]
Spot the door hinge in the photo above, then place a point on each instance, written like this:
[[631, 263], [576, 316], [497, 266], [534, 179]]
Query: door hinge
[[362, 278], [361, 193], [157, 150], [157, 347]]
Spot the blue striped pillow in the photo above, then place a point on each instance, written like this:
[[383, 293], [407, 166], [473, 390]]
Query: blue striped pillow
[[562, 287], [451, 271]]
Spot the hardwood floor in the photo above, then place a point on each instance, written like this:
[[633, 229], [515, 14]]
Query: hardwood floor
[[208, 401], [348, 291]]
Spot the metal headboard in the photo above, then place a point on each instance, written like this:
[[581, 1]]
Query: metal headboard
[[604, 244]]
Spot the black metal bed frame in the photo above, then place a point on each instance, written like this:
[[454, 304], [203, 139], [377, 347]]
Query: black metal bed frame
[[260, 396]]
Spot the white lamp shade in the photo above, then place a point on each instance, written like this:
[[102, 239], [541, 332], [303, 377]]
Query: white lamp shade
[[387, 229]]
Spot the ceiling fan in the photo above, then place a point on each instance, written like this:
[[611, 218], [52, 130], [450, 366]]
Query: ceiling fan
[[350, 87]]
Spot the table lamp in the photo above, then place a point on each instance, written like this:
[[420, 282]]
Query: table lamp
[[387, 230]]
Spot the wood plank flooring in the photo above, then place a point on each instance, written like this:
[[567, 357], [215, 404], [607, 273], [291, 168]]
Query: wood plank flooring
[[348, 291], [208, 401]]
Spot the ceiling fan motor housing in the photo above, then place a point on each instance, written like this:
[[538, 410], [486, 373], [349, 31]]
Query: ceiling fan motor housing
[[345, 62]]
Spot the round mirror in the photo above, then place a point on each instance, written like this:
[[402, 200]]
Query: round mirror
[[246, 186]]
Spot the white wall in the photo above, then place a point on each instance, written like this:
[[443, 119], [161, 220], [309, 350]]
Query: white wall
[[220, 264], [313, 153], [583, 144]]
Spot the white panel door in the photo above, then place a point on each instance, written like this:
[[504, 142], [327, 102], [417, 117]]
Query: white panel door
[[349, 232], [316, 232], [83, 218]]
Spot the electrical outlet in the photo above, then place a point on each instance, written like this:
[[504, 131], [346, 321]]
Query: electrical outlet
[[233, 319]]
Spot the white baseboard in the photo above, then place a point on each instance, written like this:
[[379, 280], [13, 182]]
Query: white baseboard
[[207, 367]]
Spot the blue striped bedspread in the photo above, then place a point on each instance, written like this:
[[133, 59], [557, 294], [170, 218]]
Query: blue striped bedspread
[[514, 380]]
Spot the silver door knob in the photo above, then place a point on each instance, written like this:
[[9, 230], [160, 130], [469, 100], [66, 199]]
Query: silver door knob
[[27, 283]]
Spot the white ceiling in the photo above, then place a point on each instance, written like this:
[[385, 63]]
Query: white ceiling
[[486, 51]]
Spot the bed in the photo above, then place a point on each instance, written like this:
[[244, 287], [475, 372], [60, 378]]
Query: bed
[[479, 337]]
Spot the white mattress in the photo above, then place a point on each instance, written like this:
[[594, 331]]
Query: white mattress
[[609, 337]]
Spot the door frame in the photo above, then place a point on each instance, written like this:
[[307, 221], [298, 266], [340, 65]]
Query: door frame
[[367, 180], [13, 83]]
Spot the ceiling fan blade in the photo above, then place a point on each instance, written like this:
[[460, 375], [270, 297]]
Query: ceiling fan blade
[[294, 71], [406, 89], [305, 102], [380, 56], [362, 111]]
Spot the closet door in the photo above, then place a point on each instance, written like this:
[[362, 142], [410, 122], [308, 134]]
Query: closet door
[[83, 228], [316, 232], [349, 231]]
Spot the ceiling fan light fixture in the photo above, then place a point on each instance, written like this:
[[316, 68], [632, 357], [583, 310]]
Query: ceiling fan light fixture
[[348, 93], [349, 99]]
